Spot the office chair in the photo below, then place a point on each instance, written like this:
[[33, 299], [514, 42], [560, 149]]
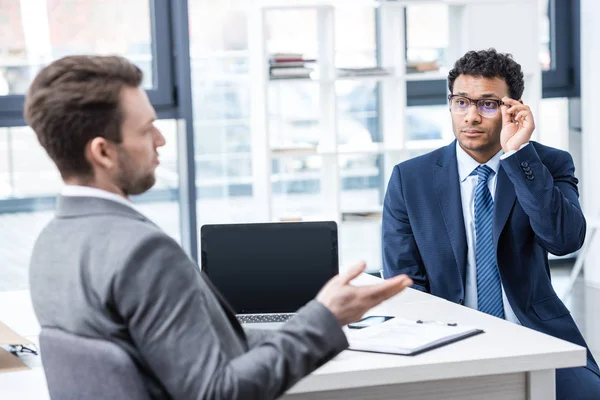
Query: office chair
[[84, 368]]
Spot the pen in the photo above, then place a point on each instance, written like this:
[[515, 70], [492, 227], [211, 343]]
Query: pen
[[419, 321]]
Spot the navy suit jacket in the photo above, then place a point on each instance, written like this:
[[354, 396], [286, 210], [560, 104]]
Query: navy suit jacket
[[536, 211]]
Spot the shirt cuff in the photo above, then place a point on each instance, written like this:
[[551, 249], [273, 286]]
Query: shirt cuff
[[510, 153]]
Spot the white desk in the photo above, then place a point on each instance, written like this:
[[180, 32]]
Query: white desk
[[16, 312], [507, 362]]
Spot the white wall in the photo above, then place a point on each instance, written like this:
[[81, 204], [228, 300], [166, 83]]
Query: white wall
[[590, 114]]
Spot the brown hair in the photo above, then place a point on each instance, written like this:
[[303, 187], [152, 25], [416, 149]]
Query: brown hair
[[74, 100]]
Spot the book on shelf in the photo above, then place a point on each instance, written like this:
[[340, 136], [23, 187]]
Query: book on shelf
[[422, 66], [287, 56], [292, 72], [363, 71], [362, 215], [290, 65]]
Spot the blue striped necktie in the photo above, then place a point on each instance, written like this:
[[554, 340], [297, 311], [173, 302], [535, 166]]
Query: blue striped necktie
[[489, 288]]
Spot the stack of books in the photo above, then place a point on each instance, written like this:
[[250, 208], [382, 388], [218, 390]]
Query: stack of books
[[363, 71], [290, 66], [420, 66]]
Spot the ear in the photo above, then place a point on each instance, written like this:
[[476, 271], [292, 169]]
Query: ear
[[520, 101], [101, 153]]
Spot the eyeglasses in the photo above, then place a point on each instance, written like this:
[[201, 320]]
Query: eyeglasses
[[487, 108]]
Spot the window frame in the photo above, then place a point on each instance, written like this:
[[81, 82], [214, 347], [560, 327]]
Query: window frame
[[563, 80], [171, 96], [163, 94]]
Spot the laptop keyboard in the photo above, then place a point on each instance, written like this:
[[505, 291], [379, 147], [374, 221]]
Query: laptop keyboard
[[258, 318]]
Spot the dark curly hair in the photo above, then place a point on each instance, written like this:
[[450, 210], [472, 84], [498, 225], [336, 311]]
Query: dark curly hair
[[490, 64]]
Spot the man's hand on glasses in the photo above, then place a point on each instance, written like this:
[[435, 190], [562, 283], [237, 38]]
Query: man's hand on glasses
[[517, 124]]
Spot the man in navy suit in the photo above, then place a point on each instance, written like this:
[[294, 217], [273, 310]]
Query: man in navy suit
[[473, 222]]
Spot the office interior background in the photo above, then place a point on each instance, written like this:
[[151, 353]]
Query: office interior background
[[248, 142]]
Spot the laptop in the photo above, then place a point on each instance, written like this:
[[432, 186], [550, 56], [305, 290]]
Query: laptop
[[267, 271]]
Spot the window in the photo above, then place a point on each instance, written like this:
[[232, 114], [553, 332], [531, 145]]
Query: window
[[29, 183], [33, 33], [561, 78]]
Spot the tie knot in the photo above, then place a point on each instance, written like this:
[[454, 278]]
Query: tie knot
[[483, 172]]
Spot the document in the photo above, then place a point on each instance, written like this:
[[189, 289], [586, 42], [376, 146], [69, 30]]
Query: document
[[406, 337]]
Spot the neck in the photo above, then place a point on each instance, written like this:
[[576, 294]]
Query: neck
[[482, 156], [108, 187]]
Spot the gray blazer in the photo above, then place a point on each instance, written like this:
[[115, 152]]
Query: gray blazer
[[102, 270]]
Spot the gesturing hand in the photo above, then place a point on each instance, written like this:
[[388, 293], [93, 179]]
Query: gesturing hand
[[517, 124], [349, 303]]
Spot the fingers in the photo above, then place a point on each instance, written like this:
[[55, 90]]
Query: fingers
[[515, 112], [521, 116], [511, 102], [383, 291], [506, 117], [353, 272]]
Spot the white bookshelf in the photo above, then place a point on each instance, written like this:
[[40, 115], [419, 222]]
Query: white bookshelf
[[471, 27]]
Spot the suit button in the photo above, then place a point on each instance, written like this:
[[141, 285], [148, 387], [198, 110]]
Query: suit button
[[526, 169], [528, 172], [530, 177], [524, 164]]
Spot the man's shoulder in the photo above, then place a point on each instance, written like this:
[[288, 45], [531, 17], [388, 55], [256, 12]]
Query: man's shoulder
[[423, 161], [556, 160], [116, 234], [550, 153]]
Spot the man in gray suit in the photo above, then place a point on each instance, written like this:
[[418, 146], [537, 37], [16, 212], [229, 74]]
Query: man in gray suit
[[101, 269]]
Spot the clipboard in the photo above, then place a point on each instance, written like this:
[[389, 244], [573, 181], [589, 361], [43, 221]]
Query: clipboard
[[407, 337]]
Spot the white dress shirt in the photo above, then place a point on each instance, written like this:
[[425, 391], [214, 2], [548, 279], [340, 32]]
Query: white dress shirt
[[466, 165], [86, 191]]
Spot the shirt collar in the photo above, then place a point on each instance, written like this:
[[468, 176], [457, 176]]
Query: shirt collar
[[87, 191], [466, 164]]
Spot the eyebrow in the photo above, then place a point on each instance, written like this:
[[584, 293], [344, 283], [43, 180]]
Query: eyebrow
[[483, 96], [489, 96]]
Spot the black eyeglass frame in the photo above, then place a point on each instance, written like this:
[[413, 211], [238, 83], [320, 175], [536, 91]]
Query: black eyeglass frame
[[474, 101]]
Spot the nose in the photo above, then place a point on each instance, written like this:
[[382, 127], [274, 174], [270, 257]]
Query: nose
[[160, 139], [472, 115]]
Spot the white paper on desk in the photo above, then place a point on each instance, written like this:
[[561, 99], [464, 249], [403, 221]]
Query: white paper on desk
[[402, 336]]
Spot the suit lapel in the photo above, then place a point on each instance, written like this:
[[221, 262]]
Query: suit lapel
[[504, 200], [226, 308], [447, 189]]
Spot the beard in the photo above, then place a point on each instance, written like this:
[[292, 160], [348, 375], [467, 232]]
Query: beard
[[490, 140], [131, 179]]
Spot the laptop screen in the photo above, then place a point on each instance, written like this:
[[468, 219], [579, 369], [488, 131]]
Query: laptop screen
[[269, 267]]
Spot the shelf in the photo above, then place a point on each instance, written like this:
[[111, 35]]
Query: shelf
[[293, 151], [295, 80], [425, 76], [417, 76], [366, 78], [372, 148], [324, 158], [286, 5], [371, 214], [343, 150]]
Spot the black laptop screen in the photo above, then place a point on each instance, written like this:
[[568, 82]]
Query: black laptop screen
[[270, 267]]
